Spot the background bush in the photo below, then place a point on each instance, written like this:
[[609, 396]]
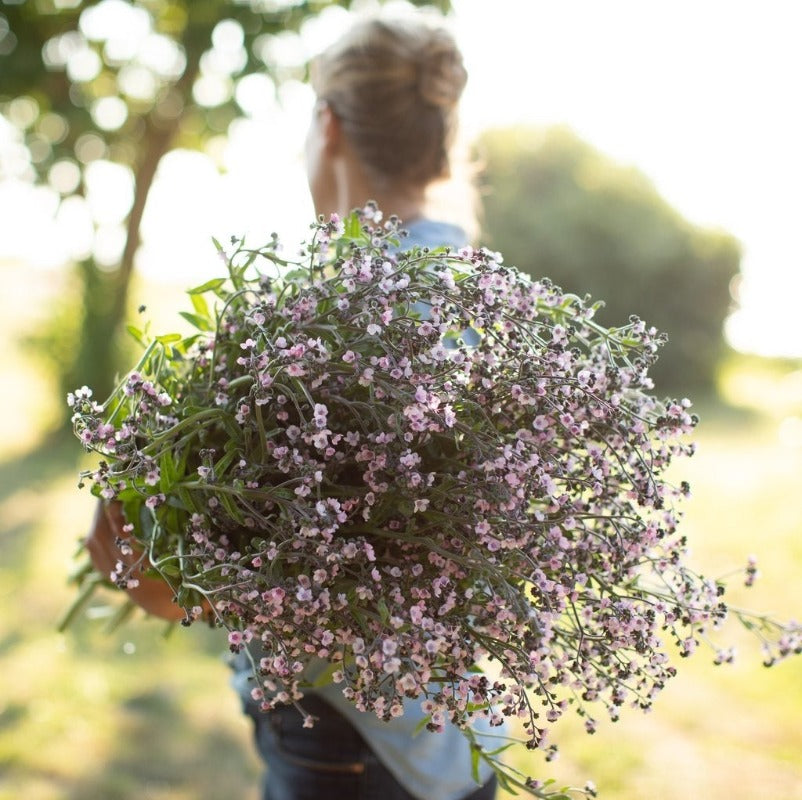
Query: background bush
[[557, 207]]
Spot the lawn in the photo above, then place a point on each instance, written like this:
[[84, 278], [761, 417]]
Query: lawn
[[138, 713]]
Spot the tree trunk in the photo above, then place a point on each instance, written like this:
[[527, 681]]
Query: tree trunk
[[105, 293]]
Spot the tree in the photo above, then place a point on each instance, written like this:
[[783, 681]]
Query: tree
[[557, 207], [127, 81]]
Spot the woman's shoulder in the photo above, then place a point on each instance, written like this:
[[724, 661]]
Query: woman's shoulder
[[425, 232]]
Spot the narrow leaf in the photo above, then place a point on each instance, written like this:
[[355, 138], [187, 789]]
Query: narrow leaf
[[422, 725], [200, 322], [137, 334], [199, 304], [475, 764], [353, 229], [210, 286]]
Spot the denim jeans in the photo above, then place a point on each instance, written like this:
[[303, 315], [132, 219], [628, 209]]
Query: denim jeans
[[330, 761]]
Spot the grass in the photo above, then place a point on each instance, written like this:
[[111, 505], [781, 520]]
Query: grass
[[95, 715], [137, 714]]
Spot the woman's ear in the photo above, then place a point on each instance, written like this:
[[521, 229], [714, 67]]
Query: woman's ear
[[323, 149], [330, 128]]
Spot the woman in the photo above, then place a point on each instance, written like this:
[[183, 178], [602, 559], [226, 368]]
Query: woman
[[381, 130], [384, 123]]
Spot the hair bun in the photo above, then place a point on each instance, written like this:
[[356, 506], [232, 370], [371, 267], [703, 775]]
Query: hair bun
[[442, 75]]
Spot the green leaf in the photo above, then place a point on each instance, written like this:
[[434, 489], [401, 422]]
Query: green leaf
[[169, 338], [296, 275], [133, 508], [200, 305], [210, 286], [499, 749], [81, 600], [120, 615], [224, 462], [185, 497], [505, 783], [168, 471], [200, 322], [127, 495], [475, 754], [231, 508], [325, 677], [174, 501], [422, 725], [187, 342], [353, 229], [137, 334], [384, 612], [168, 569], [182, 461]]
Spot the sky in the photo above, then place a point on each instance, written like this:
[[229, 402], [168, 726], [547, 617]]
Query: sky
[[700, 95]]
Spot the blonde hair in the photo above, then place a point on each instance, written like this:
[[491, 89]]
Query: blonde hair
[[395, 86]]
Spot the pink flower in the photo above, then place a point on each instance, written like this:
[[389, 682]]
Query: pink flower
[[375, 493]]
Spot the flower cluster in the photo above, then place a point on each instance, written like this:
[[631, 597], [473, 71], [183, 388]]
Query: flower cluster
[[443, 479]]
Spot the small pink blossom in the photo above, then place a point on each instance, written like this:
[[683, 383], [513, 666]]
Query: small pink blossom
[[346, 479]]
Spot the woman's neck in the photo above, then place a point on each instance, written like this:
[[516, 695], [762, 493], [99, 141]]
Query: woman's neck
[[356, 187]]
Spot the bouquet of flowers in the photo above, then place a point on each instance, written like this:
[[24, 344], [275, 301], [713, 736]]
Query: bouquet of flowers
[[443, 479]]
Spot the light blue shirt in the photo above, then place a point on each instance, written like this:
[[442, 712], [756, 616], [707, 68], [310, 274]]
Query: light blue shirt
[[430, 766]]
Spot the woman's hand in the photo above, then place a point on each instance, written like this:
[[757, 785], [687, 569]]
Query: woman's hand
[[109, 546]]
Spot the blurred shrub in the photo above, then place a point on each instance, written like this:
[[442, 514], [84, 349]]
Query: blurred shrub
[[557, 207]]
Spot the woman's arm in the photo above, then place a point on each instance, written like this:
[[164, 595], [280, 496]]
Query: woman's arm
[[153, 594]]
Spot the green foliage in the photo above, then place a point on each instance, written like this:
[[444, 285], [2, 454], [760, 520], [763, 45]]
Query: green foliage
[[77, 92], [63, 57], [557, 207]]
